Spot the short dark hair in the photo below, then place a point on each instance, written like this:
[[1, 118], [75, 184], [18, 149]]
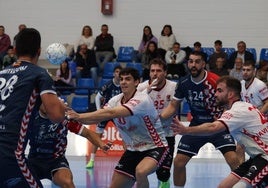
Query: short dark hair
[[197, 44], [249, 63], [28, 42], [158, 61], [219, 42], [231, 83], [117, 67], [197, 53], [130, 70]]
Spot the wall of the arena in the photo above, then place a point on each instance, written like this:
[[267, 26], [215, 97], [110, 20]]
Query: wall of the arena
[[193, 20]]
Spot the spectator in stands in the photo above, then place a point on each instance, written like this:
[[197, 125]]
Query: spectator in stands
[[262, 72], [10, 58], [4, 44], [218, 52], [86, 64], [167, 38], [20, 27], [237, 71], [241, 52], [146, 38], [175, 62], [198, 47], [63, 77], [104, 47], [150, 53], [220, 70], [86, 38]]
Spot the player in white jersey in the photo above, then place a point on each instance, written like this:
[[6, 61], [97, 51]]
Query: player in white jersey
[[247, 125], [161, 92], [254, 90], [138, 122]]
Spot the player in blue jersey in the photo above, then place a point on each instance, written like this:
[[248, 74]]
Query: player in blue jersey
[[198, 89], [108, 90], [23, 86], [48, 143]]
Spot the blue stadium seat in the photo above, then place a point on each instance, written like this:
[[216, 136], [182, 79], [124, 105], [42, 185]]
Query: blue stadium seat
[[253, 51], [228, 51], [80, 104], [84, 85], [208, 50], [72, 67], [109, 69], [125, 54], [264, 54], [135, 65], [103, 81]]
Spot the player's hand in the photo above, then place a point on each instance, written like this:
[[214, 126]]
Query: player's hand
[[107, 146], [153, 85], [178, 127], [72, 115]]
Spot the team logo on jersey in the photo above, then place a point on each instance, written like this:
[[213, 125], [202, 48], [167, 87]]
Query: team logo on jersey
[[168, 97]]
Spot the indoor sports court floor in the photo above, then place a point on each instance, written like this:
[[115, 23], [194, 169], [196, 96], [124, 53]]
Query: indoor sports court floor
[[201, 172]]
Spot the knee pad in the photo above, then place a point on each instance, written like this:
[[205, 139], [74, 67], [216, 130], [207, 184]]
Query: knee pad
[[163, 174]]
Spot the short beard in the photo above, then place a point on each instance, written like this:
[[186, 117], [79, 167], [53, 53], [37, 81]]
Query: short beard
[[196, 74]]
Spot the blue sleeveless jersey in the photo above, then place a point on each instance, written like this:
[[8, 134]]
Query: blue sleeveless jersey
[[109, 90], [20, 89], [47, 139], [200, 97]]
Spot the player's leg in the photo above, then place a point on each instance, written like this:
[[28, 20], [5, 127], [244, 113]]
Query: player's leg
[[231, 158], [179, 170], [163, 172], [229, 181], [94, 149], [63, 178], [99, 129], [148, 165], [187, 148], [240, 153], [226, 144], [120, 180]]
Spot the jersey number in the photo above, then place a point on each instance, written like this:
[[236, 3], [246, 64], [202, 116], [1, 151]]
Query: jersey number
[[6, 87], [159, 104]]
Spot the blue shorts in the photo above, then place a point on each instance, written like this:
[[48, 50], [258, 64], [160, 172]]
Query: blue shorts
[[45, 168], [130, 159], [17, 176], [101, 126], [190, 145]]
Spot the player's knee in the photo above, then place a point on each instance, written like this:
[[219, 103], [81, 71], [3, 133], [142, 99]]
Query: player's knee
[[65, 182], [163, 174], [178, 163]]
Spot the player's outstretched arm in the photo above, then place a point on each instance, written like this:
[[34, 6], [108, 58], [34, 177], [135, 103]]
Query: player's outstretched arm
[[170, 110], [99, 115], [204, 129]]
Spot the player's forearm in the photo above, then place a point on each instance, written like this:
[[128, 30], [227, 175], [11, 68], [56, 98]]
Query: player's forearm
[[93, 137], [204, 129], [96, 116]]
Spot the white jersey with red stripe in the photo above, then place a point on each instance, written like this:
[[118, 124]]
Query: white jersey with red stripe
[[249, 127], [142, 130], [255, 93], [161, 98]]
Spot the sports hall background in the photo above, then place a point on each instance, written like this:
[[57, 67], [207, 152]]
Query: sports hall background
[[192, 20]]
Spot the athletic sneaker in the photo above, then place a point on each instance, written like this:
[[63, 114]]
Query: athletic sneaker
[[90, 164], [165, 184]]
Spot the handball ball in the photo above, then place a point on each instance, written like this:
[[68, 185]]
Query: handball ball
[[56, 53]]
